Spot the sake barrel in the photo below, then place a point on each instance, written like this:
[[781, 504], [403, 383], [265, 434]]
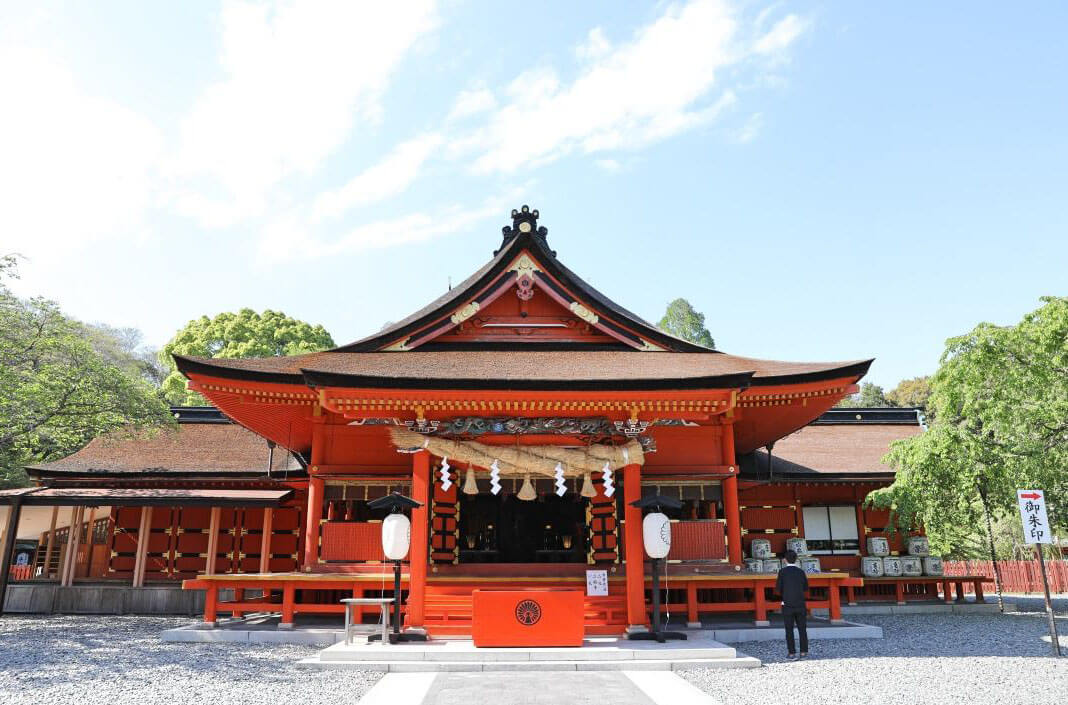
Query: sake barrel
[[932, 565], [911, 566], [892, 566], [918, 546], [798, 546], [810, 564], [771, 565], [878, 546], [761, 548], [871, 566], [754, 565]]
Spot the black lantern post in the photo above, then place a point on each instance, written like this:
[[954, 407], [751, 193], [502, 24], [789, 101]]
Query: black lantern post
[[396, 541], [656, 536]]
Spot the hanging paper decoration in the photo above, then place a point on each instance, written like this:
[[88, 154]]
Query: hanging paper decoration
[[446, 482], [609, 488], [526, 492], [588, 490], [561, 487], [495, 478], [470, 486]]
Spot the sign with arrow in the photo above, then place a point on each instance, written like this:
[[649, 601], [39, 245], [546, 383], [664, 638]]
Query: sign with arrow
[[1033, 515], [1036, 532]]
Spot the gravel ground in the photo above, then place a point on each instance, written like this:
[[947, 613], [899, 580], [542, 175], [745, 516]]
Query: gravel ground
[[939, 659], [118, 660]]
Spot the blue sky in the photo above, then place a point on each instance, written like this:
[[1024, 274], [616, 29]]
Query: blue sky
[[825, 181]]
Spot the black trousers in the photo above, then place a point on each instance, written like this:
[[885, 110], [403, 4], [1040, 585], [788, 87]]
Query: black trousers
[[790, 617]]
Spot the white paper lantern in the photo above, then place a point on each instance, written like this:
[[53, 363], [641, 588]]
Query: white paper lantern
[[396, 536], [656, 533]]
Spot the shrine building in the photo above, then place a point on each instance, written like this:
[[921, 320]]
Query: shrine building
[[524, 411]]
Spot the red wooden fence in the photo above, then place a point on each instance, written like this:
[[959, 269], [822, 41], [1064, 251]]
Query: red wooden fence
[[1016, 576]]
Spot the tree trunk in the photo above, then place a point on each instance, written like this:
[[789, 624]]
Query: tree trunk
[[990, 541]]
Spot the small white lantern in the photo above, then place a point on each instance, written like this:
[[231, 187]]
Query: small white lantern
[[396, 536], [656, 534]]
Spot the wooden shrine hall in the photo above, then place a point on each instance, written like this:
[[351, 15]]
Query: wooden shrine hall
[[524, 412]]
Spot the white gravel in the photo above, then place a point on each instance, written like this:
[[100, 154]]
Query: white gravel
[[118, 660], [941, 659]]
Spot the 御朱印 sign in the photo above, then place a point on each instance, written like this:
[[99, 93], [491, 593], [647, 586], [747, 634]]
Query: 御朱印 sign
[[1033, 515]]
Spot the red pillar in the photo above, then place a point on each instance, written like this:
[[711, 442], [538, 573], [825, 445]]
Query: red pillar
[[417, 556], [634, 546], [315, 501], [730, 499]]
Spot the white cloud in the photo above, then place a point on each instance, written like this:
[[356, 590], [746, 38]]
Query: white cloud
[[661, 83], [750, 129], [387, 178], [75, 167], [608, 164], [595, 46], [290, 238], [639, 92], [781, 35], [472, 102], [297, 80]]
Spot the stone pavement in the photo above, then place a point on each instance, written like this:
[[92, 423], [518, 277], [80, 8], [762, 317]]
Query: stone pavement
[[526, 688]]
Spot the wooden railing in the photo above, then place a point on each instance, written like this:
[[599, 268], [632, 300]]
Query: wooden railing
[[697, 540], [1016, 576]]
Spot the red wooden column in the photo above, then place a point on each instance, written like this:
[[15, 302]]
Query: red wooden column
[[265, 540], [315, 501], [634, 546], [417, 555], [730, 499]]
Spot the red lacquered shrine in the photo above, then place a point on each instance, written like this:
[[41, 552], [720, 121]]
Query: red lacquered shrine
[[523, 363]]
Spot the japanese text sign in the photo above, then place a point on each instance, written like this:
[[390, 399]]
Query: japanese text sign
[[1033, 515], [597, 583]]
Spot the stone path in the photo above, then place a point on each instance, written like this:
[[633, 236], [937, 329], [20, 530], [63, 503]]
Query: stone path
[[587, 688]]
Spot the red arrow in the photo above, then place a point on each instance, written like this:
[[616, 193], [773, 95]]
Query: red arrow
[[1033, 495]]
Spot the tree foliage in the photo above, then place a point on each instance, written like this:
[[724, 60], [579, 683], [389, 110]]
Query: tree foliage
[[683, 321], [870, 396], [910, 392], [63, 382], [233, 335], [998, 409]]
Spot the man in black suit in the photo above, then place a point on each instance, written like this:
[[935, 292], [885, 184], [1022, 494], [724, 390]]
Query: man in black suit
[[791, 585]]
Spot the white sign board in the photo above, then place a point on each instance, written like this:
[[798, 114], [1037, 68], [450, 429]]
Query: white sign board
[[597, 583], [1033, 515]]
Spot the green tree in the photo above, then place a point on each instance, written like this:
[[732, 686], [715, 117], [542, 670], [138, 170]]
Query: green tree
[[62, 383], [683, 321], [242, 334], [999, 422], [870, 396], [910, 392]]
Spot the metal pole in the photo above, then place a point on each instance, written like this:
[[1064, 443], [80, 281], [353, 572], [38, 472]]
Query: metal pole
[[396, 597], [656, 600], [1054, 640]]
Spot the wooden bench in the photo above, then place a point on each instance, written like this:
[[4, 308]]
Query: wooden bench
[[947, 581], [383, 604]]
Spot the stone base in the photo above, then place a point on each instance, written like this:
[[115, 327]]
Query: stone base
[[51, 598]]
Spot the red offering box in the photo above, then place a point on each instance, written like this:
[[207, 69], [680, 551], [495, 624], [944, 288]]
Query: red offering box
[[537, 617]]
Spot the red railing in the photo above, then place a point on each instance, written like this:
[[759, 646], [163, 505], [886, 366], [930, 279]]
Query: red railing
[[697, 540], [21, 572], [1016, 576]]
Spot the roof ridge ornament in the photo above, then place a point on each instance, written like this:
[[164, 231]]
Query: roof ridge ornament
[[524, 221]]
